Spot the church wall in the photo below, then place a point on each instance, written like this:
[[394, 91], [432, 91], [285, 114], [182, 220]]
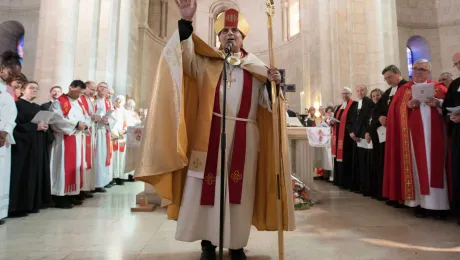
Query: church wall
[[450, 43], [27, 13]]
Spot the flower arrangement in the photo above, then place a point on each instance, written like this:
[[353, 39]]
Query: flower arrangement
[[301, 195]]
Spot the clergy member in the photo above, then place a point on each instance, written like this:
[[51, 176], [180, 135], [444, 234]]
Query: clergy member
[[171, 161], [342, 144], [357, 124], [453, 100], [119, 140], [392, 76], [9, 67], [68, 153], [89, 178], [30, 185], [446, 78], [55, 93], [416, 147], [103, 156]]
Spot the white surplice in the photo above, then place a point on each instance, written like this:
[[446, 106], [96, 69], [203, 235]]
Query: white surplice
[[198, 222], [438, 199], [89, 177], [66, 126], [8, 113], [118, 133], [103, 172]]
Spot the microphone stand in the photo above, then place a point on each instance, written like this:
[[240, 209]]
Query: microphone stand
[[223, 146]]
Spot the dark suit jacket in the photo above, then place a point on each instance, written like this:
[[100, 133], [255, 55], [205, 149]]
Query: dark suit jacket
[[46, 106], [358, 121]]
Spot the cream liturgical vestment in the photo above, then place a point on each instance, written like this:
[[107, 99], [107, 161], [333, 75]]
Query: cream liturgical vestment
[[89, 178], [67, 152], [181, 148], [103, 156], [119, 142], [8, 115]]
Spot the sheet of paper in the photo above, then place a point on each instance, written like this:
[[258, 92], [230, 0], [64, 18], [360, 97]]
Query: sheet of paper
[[364, 144], [382, 132], [46, 117], [453, 110], [335, 120], [293, 121], [422, 92]]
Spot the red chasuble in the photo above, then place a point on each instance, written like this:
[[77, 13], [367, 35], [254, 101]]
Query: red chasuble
[[70, 145], [337, 148], [235, 176], [402, 124]]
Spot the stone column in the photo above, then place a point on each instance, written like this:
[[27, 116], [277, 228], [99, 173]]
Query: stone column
[[88, 26], [123, 48], [107, 41], [164, 18], [56, 45]]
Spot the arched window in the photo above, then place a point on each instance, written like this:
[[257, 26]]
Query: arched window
[[294, 17], [410, 60], [217, 36]]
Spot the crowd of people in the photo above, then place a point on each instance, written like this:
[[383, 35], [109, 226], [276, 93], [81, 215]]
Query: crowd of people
[[59, 153], [397, 147]]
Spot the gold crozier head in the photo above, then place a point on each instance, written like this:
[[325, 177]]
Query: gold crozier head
[[270, 7]]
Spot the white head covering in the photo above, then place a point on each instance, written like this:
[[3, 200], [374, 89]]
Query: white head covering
[[122, 99]]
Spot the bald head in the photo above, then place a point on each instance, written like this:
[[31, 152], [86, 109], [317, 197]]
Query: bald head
[[456, 59], [361, 91]]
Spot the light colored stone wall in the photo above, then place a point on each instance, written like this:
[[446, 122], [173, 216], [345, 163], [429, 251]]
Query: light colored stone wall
[[27, 13]]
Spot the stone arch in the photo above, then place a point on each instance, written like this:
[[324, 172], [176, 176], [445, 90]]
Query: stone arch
[[215, 9], [417, 48], [10, 33]]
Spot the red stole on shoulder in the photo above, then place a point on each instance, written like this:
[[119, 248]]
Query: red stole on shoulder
[[337, 147], [238, 157], [88, 138], [70, 146], [412, 126]]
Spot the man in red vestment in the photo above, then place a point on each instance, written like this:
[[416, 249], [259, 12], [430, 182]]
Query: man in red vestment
[[416, 149]]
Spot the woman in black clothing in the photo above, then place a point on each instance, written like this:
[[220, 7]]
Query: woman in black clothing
[[375, 160], [30, 187]]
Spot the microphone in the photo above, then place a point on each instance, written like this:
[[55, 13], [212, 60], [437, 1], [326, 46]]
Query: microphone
[[228, 47]]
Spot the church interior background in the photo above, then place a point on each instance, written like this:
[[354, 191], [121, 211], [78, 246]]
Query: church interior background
[[323, 46]]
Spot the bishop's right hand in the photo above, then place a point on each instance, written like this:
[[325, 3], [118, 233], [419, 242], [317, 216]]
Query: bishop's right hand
[[187, 9]]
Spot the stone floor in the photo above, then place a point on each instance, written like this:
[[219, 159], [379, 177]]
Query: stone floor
[[343, 226]]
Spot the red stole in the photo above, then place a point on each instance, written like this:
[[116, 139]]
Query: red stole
[[238, 157], [88, 137], [412, 126], [337, 149], [70, 158]]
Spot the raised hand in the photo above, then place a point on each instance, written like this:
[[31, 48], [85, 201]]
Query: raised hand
[[187, 9]]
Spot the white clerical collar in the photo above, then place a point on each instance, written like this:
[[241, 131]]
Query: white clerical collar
[[416, 83], [344, 104], [360, 104]]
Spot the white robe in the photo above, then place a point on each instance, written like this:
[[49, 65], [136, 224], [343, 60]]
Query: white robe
[[8, 113], [198, 222], [66, 126], [118, 132], [103, 172], [89, 178], [438, 199]]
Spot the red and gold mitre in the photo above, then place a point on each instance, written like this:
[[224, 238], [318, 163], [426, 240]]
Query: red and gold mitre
[[231, 19]]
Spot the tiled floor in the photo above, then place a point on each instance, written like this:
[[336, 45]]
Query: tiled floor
[[343, 226]]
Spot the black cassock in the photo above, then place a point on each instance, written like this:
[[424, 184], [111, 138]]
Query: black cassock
[[453, 100], [342, 170], [357, 123], [30, 187], [376, 159]]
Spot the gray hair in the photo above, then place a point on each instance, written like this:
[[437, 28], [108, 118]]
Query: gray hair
[[131, 103], [391, 68], [448, 74], [424, 61]]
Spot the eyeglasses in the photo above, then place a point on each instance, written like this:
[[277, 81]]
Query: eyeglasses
[[233, 30], [420, 70], [456, 63]]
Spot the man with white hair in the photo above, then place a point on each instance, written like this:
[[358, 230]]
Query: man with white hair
[[119, 140], [446, 78], [342, 144], [133, 116], [453, 100], [416, 145], [357, 123]]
